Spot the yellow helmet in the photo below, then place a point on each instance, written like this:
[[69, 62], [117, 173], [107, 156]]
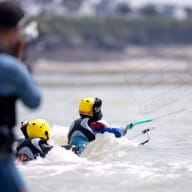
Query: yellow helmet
[[91, 107], [86, 106], [38, 128]]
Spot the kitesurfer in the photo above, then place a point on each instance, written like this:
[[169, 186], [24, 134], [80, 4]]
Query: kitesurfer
[[84, 130], [35, 142]]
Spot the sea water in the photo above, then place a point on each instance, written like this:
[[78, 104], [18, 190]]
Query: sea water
[[164, 164]]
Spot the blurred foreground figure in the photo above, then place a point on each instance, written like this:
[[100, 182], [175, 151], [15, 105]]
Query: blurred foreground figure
[[16, 83]]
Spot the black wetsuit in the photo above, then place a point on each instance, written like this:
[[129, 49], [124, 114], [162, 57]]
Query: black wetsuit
[[32, 148]]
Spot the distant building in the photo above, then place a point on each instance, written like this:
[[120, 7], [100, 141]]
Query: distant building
[[87, 9], [162, 10], [149, 10], [72, 5], [103, 8], [112, 8], [175, 12], [122, 9], [188, 12]]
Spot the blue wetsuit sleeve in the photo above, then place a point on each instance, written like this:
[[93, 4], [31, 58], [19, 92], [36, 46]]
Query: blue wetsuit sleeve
[[118, 132], [28, 90], [16, 80]]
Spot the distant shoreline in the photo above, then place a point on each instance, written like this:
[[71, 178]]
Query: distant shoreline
[[132, 59], [82, 54], [136, 66]]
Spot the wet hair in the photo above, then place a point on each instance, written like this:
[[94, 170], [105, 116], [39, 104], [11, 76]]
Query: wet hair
[[10, 14]]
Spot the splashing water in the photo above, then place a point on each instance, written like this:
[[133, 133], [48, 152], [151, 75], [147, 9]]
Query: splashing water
[[114, 164]]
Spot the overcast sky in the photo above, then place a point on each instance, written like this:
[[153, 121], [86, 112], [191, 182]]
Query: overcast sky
[[177, 2], [140, 2]]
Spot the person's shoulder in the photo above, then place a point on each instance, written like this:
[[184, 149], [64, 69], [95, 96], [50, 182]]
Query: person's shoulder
[[80, 119], [97, 125], [36, 141], [8, 59], [20, 143], [23, 140], [12, 65]]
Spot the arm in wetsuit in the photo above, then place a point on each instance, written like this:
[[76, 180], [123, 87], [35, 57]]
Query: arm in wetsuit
[[16, 80], [99, 127]]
